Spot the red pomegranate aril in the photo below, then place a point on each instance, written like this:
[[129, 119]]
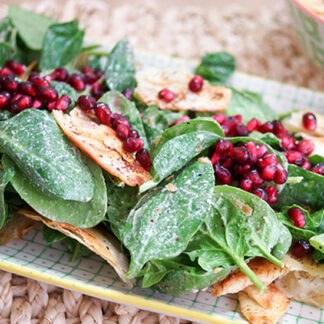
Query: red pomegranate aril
[[261, 193], [90, 78], [8, 82], [220, 118], [239, 129], [278, 128], [261, 150], [27, 88], [51, 105], [281, 175], [288, 141], [226, 128], [15, 98], [196, 83], [269, 173], [306, 165], [246, 184], [132, 145], [5, 70], [20, 104], [215, 158], [252, 125], [61, 74], [166, 95], [87, 69], [16, 67], [227, 163], [103, 113], [241, 169], [32, 76], [238, 118], [268, 159], [97, 90], [239, 154], [309, 121], [76, 81], [297, 217], [122, 131], [306, 147], [144, 159], [4, 100], [99, 73], [128, 93], [223, 176], [318, 168], [63, 103], [87, 103], [117, 119], [223, 146], [253, 154], [133, 133], [254, 175], [39, 81], [47, 94], [37, 104], [180, 120], [49, 77], [301, 249], [296, 157], [273, 195], [266, 127]]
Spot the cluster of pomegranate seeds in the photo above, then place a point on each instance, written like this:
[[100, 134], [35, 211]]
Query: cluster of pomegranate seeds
[[301, 249], [309, 121], [297, 217], [166, 95], [234, 126]]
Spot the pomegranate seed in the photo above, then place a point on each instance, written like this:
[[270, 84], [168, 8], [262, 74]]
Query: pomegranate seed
[[132, 144], [16, 67], [226, 128], [4, 100], [269, 172], [76, 81], [253, 154], [306, 147], [318, 168], [46, 93], [61, 74], [309, 121], [220, 118], [281, 175], [26, 88], [87, 69], [8, 82], [122, 131], [180, 120], [260, 193], [87, 103], [240, 169], [144, 159], [295, 157], [223, 176], [196, 83], [254, 175], [278, 128], [103, 113], [33, 76], [297, 217], [261, 150], [252, 125], [306, 165], [239, 129], [273, 195], [239, 154], [133, 133], [119, 119], [97, 90], [266, 128], [227, 163], [5, 70], [215, 158], [288, 141], [51, 105], [246, 184], [99, 73], [128, 93], [49, 77], [238, 118], [15, 98], [223, 146], [37, 104], [268, 159], [90, 78], [166, 95], [38, 81], [20, 104], [63, 103], [301, 248]]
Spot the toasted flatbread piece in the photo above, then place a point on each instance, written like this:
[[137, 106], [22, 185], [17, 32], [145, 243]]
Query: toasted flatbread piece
[[102, 243], [18, 227], [261, 308], [151, 81], [101, 143]]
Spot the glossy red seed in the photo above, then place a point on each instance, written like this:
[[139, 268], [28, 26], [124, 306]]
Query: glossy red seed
[[301, 249], [281, 175], [220, 118], [39, 81], [144, 159], [180, 120], [261, 193], [273, 195], [128, 93], [306, 165], [266, 127], [122, 131], [90, 78], [238, 118], [103, 113], [295, 157], [253, 153], [306, 147], [223, 146], [87, 69], [47, 94], [8, 82], [252, 125], [239, 129], [119, 119], [16, 67], [87, 103], [4, 100], [246, 184], [309, 121], [5, 70], [269, 173], [99, 73], [133, 133], [97, 90], [51, 105], [268, 159], [255, 177], [278, 128], [297, 217], [32, 76], [23, 102], [239, 154], [241, 169], [227, 163], [318, 168], [49, 77], [226, 128], [288, 141], [15, 98], [166, 95], [215, 158], [196, 83], [61, 74], [27, 88], [37, 104], [77, 82], [63, 103], [262, 150], [223, 176], [132, 144]]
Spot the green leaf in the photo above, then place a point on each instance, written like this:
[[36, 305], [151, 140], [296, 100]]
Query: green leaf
[[64, 88], [178, 145], [52, 236], [163, 221], [5, 28], [77, 249], [79, 214], [267, 138], [5, 177], [318, 242], [120, 68], [62, 43], [216, 67], [6, 53], [4, 115], [315, 159], [249, 105], [118, 102], [318, 256], [31, 27], [284, 242], [39, 148]]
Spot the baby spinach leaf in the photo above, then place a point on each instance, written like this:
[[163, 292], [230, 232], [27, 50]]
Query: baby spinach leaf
[[5, 177], [216, 67], [52, 236], [308, 192], [317, 242], [249, 105], [314, 159], [318, 256], [76, 249], [284, 242], [6, 53], [177, 145], [64, 88], [118, 102], [5, 28], [79, 214], [62, 43], [267, 138], [31, 27], [164, 219], [4, 115], [120, 68], [43, 153]]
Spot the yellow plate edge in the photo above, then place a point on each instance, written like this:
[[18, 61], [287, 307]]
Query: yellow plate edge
[[114, 295]]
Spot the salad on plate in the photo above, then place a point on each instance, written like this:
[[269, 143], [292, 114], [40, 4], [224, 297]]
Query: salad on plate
[[172, 176]]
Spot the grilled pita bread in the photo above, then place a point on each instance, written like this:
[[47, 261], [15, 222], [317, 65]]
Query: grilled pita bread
[[101, 143], [95, 239], [151, 81]]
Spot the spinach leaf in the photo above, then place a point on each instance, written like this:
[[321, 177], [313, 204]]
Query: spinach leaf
[[249, 105], [5, 177], [267, 138], [43, 153], [52, 236], [177, 145], [216, 67], [79, 214], [31, 27], [62, 43], [118, 102], [6, 53], [308, 192], [318, 256], [315, 159], [120, 67], [284, 242], [64, 88], [163, 221], [5, 28], [317, 242], [4, 115]]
